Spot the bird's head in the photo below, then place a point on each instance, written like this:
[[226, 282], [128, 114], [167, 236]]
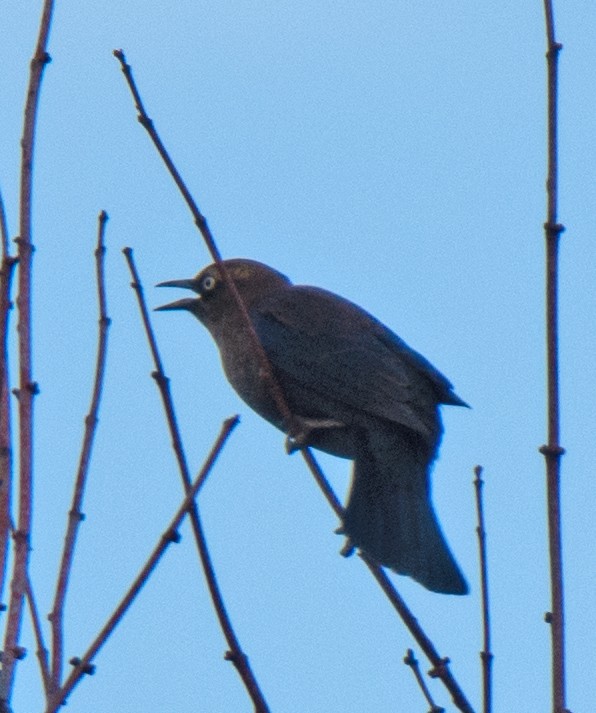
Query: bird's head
[[214, 302]]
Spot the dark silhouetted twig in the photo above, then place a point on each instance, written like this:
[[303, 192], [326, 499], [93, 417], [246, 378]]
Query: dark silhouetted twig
[[486, 655], [27, 388], [84, 664], [411, 661], [75, 515], [235, 654], [553, 451]]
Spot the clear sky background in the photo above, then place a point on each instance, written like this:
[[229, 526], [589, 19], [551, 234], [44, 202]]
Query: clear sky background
[[393, 153]]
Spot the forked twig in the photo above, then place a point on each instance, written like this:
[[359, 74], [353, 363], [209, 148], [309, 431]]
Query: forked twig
[[235, 654], [439, 664], [486, 655], [84, 664], [411, 661], [553, 451], [27, 388], [75, 515]]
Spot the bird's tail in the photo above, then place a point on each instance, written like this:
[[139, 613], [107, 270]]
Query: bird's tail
[[390, 515]]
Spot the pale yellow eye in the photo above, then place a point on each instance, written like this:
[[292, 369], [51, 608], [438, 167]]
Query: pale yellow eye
[[208, 283]]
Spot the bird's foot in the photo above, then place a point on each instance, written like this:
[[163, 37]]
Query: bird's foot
[[301, 429], [348, 549]]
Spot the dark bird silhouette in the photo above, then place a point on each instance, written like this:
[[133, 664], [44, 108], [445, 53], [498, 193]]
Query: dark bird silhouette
[[358, 391]]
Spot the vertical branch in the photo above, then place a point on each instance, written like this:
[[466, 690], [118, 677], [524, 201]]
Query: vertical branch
[[75, 515], [553, 451], [6, 274], [27, 388], [485, 655]]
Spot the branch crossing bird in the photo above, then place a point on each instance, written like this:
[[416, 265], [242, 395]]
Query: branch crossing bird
[[357, 390]]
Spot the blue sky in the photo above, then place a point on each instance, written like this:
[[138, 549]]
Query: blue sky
[[395, 154]]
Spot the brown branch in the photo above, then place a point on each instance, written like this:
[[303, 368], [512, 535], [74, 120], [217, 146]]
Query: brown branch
[[235, 654], [75, 515], [201, 223], [27, 388], [42, 651], [6, 274], [84, 664], [439, 664], [486, 655], [411, 661], [553, 451]]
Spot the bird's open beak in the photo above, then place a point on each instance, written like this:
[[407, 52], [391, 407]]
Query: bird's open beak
[[185, 303]]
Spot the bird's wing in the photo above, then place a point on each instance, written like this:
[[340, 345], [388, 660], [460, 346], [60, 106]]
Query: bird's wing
[[331, 347]]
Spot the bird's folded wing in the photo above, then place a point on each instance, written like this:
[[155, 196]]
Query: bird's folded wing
[[334, 348]]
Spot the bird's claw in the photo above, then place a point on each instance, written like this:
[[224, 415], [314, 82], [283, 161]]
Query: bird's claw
[[348, 549], [302, 428]]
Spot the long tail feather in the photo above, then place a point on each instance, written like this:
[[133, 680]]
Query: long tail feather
[[390, 514]]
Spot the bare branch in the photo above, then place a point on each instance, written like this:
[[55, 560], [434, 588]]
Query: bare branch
[[75, 515], [553, 451], [201, 223], [6, 462], [411, 661], [235, 654], [27, 388], [42, 651], [486, 655], [84, 664]]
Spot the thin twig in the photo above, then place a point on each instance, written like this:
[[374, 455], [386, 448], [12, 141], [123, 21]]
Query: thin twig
[[84, 664], [201, 223], [6, 274], [235, 654], [486, 655], [439, 664], [75, 515], [42, 651], [27, 388], [411, 661], [553, 451]]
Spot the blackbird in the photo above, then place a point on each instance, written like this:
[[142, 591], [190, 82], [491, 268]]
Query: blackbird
[[357, 390]]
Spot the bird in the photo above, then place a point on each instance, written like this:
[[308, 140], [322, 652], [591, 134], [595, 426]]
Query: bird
[[356, 390]]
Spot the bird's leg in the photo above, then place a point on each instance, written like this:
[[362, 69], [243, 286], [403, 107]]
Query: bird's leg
[[348, 548], [301, 428]]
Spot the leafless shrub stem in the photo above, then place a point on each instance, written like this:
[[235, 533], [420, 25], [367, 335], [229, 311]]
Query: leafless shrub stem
[[411, 661], [84, 664], [486, 655], [235, 654], [27, 387], [75, 515], [553, 451]]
